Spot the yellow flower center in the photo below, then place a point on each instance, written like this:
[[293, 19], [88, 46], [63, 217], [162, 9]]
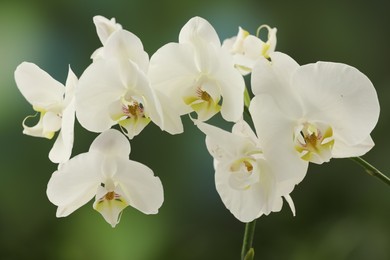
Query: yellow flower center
[[248, 165], [110, 195], [203, 104], [203, 95], [135, 109], [314, 142], [243, 175]]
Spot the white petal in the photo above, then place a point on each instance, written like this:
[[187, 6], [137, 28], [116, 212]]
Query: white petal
[[75, 183], [141, 189], [41, 129], [38, 87], [223, 145], [242, 128], [172, 71], [343, 150], [138, 83], [58, 153], [98, 54], [245, 205], [99, 86], [253, 47], [171, 120], [71, 82], [111, 143], [341, 96], [270, 44], [111, 209], [125, 45], [274, 78], [277, 205], [105, 27], [51, 122], [276, 137], [290, 203], [232, 87], [133, 127], [62, 148], [198, 29], [36, 130], [228, 44]]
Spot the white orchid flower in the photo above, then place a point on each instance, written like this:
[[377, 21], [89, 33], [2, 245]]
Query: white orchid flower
[[323, 110], [247, 49], [106, 173], [55, 104], [196, 74], [123, 94], [111, 92], [250, 180]]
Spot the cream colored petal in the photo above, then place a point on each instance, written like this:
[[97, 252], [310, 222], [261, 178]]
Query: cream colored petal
[[37, 86], [75, 183], [198, 29], [105, 27], [141, 189], [340, 96], [111, 143]]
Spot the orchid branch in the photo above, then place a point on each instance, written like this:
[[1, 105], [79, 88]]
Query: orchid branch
[[371, 170], [247, 252]]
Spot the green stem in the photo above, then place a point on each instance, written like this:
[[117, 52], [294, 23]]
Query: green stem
[[246, 112], [247, 98], [248, 239], [371, 170]]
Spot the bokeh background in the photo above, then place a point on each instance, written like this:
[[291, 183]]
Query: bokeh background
[[342, 213]]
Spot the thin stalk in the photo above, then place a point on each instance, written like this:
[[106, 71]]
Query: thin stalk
[[371, 170], [248, 239]]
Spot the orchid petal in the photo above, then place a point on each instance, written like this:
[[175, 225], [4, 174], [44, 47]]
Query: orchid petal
[[105, 27], [253, 47], [243, 129], [124, 45], [172, 70], [198, 29], [46, 127], [339, 95], [38, 87], [343, 150], [290, 203], [141, 189], [51, 122], [111, 143], [223, 145], [111, 208], [171, 120], [232, 88], [248, 204], [100, 85], [71, 82], [276, 131], [274, 78], [244, 205], [37, 129], [138, 84], [133, 127], [75, 183], [62, 148]]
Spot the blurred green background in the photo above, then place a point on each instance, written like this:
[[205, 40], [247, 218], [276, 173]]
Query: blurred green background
[[342, 213]]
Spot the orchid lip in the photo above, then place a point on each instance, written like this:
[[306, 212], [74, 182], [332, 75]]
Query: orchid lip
[[314, 142], [244, 173]]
